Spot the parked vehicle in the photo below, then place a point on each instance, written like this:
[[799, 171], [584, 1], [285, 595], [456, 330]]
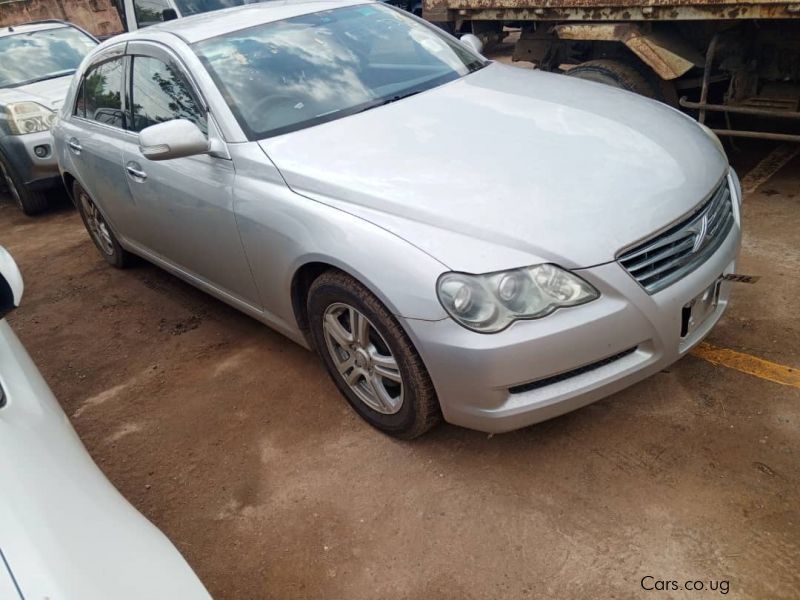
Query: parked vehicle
[[412, 6], [334, 196], [737, 60], [65, 532], [136, 14], [37, 61], [99, 17]]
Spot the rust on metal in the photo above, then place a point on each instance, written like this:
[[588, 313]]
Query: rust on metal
[[591, 4], [616, 32], [667, 54], [759, 135], [741, 110], [655, 50], [613, 10]]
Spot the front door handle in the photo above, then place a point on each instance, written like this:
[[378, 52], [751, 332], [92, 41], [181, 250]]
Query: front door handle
[[135, 171], [75, 145]]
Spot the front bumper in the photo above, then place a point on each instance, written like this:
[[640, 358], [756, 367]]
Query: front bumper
[[640, 334], [37, 173]]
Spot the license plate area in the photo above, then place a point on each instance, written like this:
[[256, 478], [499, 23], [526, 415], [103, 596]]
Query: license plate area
[[699, 308]]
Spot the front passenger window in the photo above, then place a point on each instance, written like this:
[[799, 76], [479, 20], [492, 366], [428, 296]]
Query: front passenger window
[[99, 98], [159, 94]]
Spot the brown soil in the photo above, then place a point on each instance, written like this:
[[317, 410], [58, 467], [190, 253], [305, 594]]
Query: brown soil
[[234, 442]]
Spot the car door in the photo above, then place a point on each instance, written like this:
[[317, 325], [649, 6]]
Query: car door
[[95, 133], [186, 204]]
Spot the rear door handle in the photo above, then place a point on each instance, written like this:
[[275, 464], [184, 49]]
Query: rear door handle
[[135, 171], [75, 145]]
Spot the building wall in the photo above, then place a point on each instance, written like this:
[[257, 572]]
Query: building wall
[[100, 17]]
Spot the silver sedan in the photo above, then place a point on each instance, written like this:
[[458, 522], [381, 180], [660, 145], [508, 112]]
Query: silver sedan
[[456, 238]]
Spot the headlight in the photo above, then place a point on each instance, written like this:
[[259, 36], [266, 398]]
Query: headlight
[[29, 117], [714, 138], [490, 303]]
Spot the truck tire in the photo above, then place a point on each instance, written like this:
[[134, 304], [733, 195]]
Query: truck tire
[[619, 74], [29, 201]]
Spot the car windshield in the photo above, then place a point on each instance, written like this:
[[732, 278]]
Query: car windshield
[[38, 55], [286, 75]]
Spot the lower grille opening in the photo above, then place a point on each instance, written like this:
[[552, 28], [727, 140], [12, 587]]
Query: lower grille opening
[[540, 383], [686, 314]]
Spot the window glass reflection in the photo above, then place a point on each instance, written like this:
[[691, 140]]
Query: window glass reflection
[[298, 72]]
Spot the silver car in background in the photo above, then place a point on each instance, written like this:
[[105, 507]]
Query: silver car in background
[[65, 532], [455, 237], [37, 61]]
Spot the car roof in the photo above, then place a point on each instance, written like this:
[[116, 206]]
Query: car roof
[[32, 26], [211, 24]]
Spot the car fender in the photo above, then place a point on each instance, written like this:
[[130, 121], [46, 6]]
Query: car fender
[[282, 231]]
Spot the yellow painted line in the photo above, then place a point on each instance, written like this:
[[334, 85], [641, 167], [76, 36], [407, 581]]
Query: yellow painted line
[[746, 363]]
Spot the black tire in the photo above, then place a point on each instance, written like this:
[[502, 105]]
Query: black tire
[[419, 410], [99, 231], [619, 74], [30, 202]]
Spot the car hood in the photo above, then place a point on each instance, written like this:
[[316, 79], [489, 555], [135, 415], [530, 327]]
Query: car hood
[[509, 166], [50, 93]]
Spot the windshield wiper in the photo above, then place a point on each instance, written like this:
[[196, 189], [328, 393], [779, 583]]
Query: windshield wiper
[[399, 97], [477, 66], [42, 78], [389, 100]]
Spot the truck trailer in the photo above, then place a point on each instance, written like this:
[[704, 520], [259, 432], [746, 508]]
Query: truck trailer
[[735, 60]]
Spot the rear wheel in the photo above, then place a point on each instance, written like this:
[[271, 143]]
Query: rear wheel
[[30, 202], [370, 358], [99, 230], [619, 74]]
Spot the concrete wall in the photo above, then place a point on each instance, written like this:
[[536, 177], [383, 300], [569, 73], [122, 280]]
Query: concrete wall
[[100, 17]]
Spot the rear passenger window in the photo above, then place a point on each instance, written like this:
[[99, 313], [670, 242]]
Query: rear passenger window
[[99, 98], [159, 94]]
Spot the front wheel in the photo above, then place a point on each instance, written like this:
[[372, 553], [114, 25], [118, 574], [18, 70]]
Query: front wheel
[[370, 358], [30, 202]]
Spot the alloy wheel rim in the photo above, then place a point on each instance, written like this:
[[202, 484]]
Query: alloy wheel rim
[[10, 184], [97, 225], [363, 358]]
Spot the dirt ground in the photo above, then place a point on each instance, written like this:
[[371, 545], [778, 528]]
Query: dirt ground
[[234, 442]]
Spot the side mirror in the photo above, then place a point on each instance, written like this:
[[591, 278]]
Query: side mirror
[[473, 42], [169, 14], [10, 283], [174, 139]]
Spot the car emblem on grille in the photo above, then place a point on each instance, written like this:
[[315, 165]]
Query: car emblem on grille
[[701, 233]]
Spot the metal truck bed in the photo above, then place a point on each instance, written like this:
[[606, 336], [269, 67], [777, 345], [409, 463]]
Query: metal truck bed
[[610, 10]]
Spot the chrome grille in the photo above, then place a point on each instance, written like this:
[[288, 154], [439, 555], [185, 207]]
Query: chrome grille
[[672, 254]]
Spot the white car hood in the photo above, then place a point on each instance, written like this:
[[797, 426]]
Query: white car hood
[[49, 93], [508, 166]]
